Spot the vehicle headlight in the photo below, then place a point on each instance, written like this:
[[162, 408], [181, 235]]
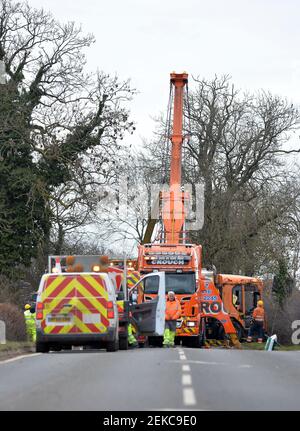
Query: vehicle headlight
[[190, 323]]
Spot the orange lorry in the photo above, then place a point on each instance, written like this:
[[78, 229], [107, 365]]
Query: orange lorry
[[200, 299], [172, 254], [240, 295]]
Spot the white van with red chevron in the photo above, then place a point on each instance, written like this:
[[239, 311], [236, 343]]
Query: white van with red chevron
[[76, 309]]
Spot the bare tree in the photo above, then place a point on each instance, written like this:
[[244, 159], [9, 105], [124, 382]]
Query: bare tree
[[59, 126], [238, 145]]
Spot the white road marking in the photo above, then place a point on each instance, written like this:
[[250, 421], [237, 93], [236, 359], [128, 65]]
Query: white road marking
[[186, 380], [189, 398], [17, 358], [182, 356], [199, 362]]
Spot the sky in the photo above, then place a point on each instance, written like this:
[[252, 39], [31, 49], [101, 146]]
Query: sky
[[256, 42]]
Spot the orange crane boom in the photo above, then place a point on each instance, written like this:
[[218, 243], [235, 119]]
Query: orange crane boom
[[173, 214], [178, 80]]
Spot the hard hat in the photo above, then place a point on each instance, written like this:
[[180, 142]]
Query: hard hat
[[260, 302], [27, 306], [171, 292]]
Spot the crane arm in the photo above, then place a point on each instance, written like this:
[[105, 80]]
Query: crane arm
[[173, 214]]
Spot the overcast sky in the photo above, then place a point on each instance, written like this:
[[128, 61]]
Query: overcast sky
[[257, 42]]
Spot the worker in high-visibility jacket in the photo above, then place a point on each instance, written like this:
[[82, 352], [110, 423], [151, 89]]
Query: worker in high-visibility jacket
[[29, 315], [173, 312], [258, 323], [132, 341]]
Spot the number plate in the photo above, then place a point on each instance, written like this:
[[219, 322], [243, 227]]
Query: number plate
[[59, 320]]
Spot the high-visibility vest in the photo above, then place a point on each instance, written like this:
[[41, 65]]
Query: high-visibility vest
[[29, 317], [259, 314], [173, 309]]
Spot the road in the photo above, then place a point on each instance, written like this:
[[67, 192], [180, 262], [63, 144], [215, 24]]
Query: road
[[152, 379]]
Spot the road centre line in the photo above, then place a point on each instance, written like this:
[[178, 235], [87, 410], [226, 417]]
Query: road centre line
[[189, 398], [186, 380]]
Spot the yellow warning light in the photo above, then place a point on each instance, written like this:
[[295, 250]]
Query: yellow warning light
[[96, 268]]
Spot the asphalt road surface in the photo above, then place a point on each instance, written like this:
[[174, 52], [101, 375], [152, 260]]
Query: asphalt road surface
[[152, 379]]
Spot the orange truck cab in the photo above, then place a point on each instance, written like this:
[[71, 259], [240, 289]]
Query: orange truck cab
[[240, 295], [181, 265], [200, 299]]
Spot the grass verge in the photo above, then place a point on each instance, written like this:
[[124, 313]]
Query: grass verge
[[14, 348], [257, 346]]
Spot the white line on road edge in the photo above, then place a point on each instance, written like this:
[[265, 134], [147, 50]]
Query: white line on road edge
[[189, 398], [186, 368], [19, 357]]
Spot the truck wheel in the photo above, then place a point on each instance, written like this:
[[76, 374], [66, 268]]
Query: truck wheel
[[123, 343], [41, 347], [112, 346]]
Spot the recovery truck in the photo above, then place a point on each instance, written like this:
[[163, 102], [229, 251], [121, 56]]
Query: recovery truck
[[172, 254], [239, 294]]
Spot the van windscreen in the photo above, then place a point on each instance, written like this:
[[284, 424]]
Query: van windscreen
[[180, 283]]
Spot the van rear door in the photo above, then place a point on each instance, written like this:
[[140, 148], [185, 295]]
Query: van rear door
[[74, 303], [92, 303]]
